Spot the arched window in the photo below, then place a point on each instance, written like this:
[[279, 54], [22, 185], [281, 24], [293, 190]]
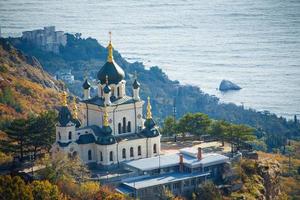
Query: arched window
[[101, 92], [70, 135], [59, 136], [154, 148], [124, 153], [119, 128], [131, 152], [129, 127], [101, 156], [112, 91], [75, 154], [139, 150], [124, 125], [118, 91], [90, 154], [111, 156]]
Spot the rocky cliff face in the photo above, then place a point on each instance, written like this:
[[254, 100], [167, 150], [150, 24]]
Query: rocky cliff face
[[260, 180], [270, 172]]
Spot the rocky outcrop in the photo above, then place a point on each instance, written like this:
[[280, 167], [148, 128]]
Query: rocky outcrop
[[226, 85], [270, 171], [258, 180]]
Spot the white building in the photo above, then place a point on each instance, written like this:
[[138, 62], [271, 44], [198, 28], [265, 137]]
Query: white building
[[112, 129], [47, 39]]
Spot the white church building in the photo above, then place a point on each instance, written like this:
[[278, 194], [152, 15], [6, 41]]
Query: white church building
[[112, 128]]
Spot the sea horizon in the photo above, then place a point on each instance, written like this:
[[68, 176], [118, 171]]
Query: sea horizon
[[255, 45]]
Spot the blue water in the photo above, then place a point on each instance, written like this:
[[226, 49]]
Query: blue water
[[255, 44]]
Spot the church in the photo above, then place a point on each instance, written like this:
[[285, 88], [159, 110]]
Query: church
[[112, 129]]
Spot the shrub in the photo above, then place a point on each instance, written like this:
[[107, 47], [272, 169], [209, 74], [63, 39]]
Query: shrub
[[44, 190]]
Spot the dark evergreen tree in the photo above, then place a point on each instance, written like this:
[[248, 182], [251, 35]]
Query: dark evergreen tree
[[17, 138], [42, 131]]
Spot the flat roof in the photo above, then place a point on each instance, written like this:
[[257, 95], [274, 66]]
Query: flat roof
[[161, 179], [156, 162], [170, 160]]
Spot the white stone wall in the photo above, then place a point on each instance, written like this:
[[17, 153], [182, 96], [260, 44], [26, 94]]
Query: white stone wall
[[83, 152], [64, 133], [115, 116]]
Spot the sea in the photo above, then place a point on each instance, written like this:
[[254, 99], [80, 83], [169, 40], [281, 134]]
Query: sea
[[255, 44]]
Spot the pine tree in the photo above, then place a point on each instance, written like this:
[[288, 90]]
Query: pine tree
[[17, 138]]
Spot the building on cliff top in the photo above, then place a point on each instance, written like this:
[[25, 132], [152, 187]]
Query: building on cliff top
[[113, 129], [47, 39]]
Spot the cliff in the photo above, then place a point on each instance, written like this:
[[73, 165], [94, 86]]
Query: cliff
[[24, 86], [260, 180]]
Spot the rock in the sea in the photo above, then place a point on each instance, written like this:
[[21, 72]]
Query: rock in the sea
[[228, 85]]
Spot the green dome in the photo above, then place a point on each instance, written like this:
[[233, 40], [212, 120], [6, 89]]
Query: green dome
[[114, 72], [64, 116]]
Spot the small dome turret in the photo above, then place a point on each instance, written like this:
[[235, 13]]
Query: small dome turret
[[64, 115], [135, 84], [106, 89], [86, 85]]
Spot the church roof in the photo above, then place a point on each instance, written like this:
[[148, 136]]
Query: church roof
[[86, 84], [76, 122], [86, 139], [64, 116], [113, 71], [63, 144], [106, 89], [114, 101], [136, 84], [127, 137]]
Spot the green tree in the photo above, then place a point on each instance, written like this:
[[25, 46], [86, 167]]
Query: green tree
[[196, 124], [169, 126], [236, 134], [218, 129], [207, 191], [14, 188], [42, 131], [44, 190], [17, 138]]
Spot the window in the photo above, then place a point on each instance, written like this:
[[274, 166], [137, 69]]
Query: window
[[139, 150], [124, 153], [154, 148], [101, 156], [176, 185], [101, 92], [129, 127], [119, 128], [193, 182], [124, 125], [70, 135], [131, 152], [118, 91], [59, 136], [112, 91], [111, 156], [186, 183], [90, 155], [75, 154]]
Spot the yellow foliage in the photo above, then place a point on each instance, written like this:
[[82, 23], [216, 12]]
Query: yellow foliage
[[89, 190]]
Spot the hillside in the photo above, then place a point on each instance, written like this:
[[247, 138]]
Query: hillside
[[24, 86], [80, 54]]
